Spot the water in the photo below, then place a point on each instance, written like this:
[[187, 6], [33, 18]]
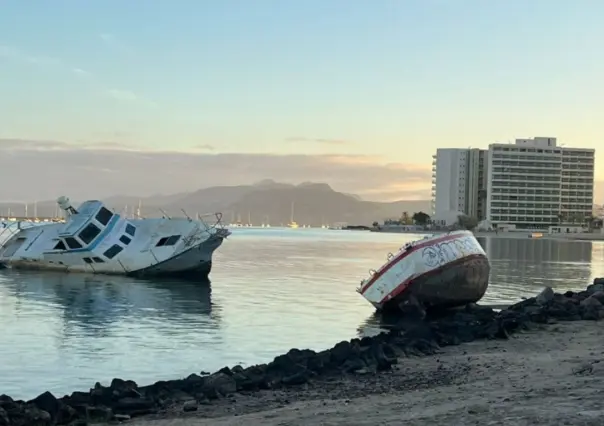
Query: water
[[272, 289]]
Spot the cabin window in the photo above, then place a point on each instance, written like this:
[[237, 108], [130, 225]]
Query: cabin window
[[60, 246], [72, 243], [168, 241], [172, 240], [124, 239], [98, 260], [87, 259], [130, 230], [89, 233], [104, 216], [112, 251], [161, 242]]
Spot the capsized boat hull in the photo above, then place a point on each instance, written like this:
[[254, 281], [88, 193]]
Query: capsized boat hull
[[437, 272], [95, 240]]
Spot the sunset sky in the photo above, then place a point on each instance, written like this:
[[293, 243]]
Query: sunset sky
[[355, 93]]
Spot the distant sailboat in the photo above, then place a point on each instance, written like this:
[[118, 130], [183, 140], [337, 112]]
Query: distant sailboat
[[292, 223]]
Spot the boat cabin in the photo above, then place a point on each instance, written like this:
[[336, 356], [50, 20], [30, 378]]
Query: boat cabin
[[87, 228]]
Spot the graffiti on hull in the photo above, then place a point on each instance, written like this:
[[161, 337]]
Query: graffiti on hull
[[449, 251]]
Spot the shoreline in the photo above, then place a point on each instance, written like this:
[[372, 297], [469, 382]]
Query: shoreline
[[530, 386], [584, 236], [410, 358]]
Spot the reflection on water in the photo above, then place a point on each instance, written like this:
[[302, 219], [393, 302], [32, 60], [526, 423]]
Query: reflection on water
[[272, 290], [521, 267]]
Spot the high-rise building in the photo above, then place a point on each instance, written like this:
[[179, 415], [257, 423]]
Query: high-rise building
[[459, 179], [533, 183]]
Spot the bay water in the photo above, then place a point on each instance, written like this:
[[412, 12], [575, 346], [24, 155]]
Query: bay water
[[271, 290]]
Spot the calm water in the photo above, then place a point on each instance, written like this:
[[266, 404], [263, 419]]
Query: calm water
[[271, 290]]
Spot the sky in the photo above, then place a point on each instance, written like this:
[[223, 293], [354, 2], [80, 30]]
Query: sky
[[177, 95]]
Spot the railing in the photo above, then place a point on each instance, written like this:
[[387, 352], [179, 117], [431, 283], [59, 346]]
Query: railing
[[11, 228]]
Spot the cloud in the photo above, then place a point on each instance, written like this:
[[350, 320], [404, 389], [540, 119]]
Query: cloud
[[14, 54], [122, 95], [113, 43], [107, 38], [107, 168], [24, 145], [80, 72], [204, 147], [130, 97], [323, 141]]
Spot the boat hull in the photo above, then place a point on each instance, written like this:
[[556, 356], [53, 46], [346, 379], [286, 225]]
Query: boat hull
[[192, 263], [195, 262], [456, 284], [437, 272]]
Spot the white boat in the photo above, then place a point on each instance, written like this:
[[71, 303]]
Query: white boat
[[95, 240], [438, 271]]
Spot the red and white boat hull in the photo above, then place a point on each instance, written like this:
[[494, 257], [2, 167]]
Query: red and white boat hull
[[440, 271]]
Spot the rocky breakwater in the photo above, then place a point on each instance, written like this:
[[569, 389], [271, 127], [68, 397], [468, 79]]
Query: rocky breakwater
[[124, 399]]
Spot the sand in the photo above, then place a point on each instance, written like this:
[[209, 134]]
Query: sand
[[551, 375]]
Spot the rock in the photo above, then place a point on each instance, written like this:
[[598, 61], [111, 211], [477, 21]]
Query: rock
[[47, 402], [597, 286], [98, 414], [591, 301], [219, 384], [4, 420], [598, 281], [546, 296], [189, 406]]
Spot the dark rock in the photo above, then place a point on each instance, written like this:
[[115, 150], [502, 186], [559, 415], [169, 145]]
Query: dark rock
[[219, 384], [546, 296], [48, 403], [598, 280], [133, 406], [4, 420], [98, 414], [189, 406]]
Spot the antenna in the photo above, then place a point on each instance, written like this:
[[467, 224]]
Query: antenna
[[185, 213], [165, 214]]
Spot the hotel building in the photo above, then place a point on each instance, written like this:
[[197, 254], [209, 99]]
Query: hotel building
[[533, 183]]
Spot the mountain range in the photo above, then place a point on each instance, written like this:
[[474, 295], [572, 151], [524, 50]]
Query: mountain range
[[267, 201]]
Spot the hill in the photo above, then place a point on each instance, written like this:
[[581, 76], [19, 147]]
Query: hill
[[266, 201]]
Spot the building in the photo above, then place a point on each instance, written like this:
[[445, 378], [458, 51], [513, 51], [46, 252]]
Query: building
[[532, 183], [459, 182]]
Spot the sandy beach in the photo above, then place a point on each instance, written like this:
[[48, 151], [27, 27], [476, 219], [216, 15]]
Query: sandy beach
[[550, 375]]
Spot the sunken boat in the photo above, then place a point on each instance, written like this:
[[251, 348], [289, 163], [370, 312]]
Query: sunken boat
[[436, 272], [96, 240]]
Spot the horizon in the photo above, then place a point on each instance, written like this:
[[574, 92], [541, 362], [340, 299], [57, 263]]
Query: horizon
[[173, 97]]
